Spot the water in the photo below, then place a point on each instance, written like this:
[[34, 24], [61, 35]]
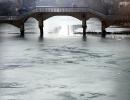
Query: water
[[64, 68]]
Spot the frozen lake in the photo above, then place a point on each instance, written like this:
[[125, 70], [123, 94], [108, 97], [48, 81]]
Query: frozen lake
[[64, 68]]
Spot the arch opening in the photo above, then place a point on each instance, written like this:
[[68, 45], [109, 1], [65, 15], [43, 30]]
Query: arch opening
[[60, 26], [8, 28], [31, 26], [94, 25]]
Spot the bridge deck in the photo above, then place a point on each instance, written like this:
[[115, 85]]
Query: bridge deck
[[64, 10], [56, 10]]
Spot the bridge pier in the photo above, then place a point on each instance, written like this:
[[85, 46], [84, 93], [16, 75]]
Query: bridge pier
[[104, 33], [41, 28], [22, 31], [84, 26]]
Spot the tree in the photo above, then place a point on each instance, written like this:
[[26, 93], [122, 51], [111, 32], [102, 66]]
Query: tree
[[7, 8]]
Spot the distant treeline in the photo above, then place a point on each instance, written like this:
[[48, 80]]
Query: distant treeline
[[8, 8], [11, 7]]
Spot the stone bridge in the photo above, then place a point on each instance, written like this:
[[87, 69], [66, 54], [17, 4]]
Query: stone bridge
[[82, 13]]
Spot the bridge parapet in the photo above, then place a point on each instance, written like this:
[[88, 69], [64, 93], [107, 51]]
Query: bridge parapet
[[62, 10], [68, 10], [8, 17]]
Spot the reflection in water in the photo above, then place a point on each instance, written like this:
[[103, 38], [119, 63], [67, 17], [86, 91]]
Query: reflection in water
[[64, 68]]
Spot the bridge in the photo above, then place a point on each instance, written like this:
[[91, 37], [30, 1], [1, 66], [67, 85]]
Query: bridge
[[82, 13]]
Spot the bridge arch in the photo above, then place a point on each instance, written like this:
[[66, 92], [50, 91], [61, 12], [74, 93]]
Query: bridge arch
[[62, 25], [97, 24], [25, 19], [11, 27], [47, 16], [64, 15], [30, 21], [70, 11], [10, 23]]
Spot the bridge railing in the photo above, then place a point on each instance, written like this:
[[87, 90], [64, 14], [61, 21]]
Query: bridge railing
[[67, 9], [8, 17], [61, 9]]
